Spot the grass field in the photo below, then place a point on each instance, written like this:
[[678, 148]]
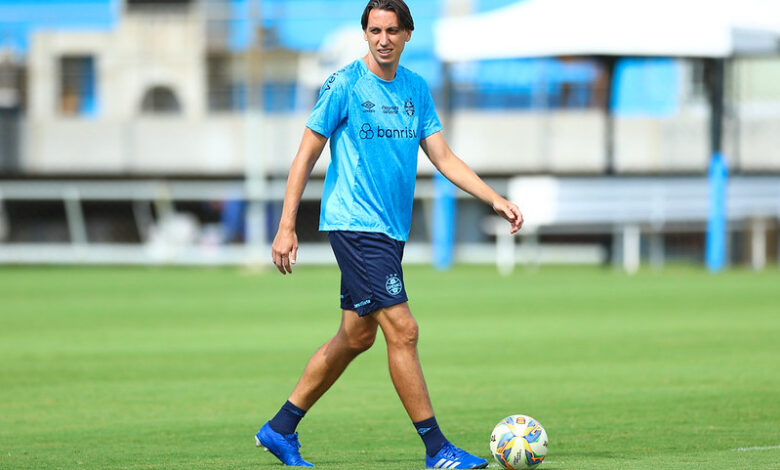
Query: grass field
[[135, 368]]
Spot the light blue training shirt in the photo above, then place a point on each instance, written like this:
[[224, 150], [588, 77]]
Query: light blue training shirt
[[375, 127]]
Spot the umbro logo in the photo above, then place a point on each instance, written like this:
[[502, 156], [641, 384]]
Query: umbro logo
[[368, 107]]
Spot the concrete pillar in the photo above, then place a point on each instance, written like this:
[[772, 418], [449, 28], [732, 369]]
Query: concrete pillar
[[3, 221], [631, 248], [77, 227], [505, 253], [758, 228]]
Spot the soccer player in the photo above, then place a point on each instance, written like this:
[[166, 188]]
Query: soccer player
[[376, 115]]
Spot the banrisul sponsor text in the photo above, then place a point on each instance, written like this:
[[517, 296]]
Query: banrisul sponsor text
[[367, 132]]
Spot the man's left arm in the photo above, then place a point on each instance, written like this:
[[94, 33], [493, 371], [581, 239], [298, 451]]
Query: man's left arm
[[455, 170]]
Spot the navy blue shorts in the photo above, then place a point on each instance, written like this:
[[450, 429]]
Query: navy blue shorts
[[371, 275]]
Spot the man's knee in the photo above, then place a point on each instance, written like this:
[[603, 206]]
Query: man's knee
[[360, 341], [405, 332]]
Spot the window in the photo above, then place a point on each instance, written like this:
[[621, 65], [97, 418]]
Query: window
[[157, 6], [160, 100], [546, 83], [162, 3], [224, 91], [78, 95]]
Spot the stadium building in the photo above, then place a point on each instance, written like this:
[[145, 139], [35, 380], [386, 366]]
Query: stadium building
[[146, 131]]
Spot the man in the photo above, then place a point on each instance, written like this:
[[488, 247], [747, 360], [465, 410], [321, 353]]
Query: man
[[375, 114]]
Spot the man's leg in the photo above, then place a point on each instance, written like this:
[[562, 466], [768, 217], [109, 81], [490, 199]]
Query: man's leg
[[401, 334], [355, 335]]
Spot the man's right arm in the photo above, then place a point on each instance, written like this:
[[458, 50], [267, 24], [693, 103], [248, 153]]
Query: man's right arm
[[285, 246]]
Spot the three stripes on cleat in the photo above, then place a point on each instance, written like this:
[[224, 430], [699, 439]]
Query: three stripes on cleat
[[444, 463]]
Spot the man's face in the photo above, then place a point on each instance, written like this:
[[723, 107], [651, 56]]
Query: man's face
[[386, 38]]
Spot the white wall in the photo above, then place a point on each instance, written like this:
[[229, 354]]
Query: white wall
[[509, 142], [670, 144], [759, 137], [494, 143]]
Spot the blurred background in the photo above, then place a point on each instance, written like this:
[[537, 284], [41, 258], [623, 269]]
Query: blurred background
[[148, 132]]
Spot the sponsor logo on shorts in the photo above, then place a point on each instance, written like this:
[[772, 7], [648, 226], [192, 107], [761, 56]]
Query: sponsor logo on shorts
[[363, 303], [393, 284]]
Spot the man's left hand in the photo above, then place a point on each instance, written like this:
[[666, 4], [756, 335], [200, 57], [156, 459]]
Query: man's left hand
[[510, 212]]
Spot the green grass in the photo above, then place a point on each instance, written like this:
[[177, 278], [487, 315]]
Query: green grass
[[138, 368]]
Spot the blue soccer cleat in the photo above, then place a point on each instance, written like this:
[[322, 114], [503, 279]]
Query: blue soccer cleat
[[450, 456], [285, 448]]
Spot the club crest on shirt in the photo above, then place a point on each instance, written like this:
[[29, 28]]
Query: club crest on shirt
[[393, 284], [409, 107]]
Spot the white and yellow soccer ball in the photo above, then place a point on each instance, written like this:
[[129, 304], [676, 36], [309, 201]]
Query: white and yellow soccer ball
[[518, 442]]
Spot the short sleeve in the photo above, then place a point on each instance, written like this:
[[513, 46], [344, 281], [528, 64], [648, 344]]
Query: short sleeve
[[430, 120], [331, 107]]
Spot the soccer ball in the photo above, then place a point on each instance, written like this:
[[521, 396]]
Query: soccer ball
[[518, 441]]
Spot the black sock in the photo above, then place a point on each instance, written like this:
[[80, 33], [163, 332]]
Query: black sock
[[287, 419], [431, 435]]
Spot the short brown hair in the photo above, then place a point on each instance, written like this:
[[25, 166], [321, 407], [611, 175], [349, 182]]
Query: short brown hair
[[397, 6]]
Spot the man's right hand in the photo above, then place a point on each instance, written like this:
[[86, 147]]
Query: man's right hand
[[284, 250], [285, 246]]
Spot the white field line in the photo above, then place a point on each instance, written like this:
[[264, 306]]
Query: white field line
[[748, 449]]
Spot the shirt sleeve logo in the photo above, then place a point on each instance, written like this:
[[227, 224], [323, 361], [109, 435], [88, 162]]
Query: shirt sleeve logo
[[330, 81], [409, 107], [366, 132]]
